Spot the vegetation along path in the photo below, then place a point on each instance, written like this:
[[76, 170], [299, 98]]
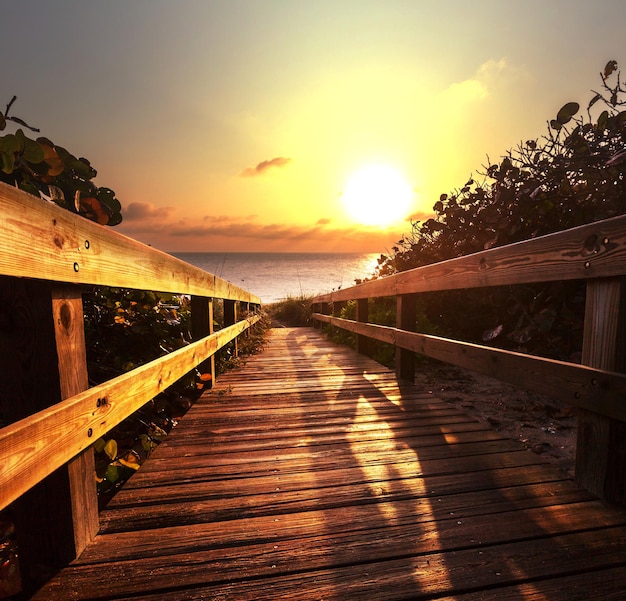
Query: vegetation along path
[[310, 473]]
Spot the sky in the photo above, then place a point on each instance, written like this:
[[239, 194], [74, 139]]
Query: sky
[[239, 125]]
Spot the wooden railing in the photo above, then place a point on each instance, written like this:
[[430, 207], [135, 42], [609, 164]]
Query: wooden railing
[[595, 253], [48, 256]]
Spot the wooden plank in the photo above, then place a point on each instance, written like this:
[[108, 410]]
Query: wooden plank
[[317, 496], [41, 240], [600, 449], [323, 568], [67, 315], [41, 443], [176, 485], [594, 250], [342, 514]]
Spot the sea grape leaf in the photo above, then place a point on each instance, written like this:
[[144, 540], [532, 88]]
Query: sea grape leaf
[[566, 112], [30, 188], [8, 161], [110, 448], [33, 152], [594, 100], [95, 210], [113, 474], [130, 460], [107, 197], [115, 219], [609, 68], [51, 157]]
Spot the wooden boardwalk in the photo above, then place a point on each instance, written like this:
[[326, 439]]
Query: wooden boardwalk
[[310, 474]]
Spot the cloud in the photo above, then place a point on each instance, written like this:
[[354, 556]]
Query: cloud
[[145, 211], [166, 228], [263, 166], [487, 77]]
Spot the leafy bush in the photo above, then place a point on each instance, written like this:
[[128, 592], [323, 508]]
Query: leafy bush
[[45, 170], [294, 311], [574, 174]]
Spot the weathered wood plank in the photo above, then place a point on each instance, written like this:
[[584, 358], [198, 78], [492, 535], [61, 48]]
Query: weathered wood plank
[[600, 449], [589, 251], [46, 242], [345, 510]]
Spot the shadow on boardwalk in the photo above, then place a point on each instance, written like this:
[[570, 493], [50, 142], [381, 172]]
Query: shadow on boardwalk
[[310, 473]]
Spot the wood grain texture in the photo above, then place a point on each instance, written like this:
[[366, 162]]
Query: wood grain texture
[[41, 240], [589, 251], [67, 315], [312, 473], [37, 445], [601, 441]]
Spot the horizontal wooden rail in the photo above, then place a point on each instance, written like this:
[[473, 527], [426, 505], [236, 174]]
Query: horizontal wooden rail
[[596, 250], [37, 445], [593, 389], [42, 241]]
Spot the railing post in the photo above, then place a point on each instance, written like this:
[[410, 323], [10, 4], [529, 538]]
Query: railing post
[[337, 306], [244, 310], [201, 326], [406, 305], [42, 343], [363, 343], [316, 308], [230, 318], [601, 444]]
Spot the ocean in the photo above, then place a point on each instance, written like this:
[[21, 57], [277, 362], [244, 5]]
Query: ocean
[[276, 276]]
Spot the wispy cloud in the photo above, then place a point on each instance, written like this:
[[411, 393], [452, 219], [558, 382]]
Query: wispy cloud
[[263, 166]]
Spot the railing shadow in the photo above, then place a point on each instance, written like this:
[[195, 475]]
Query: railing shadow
[[445, 508]]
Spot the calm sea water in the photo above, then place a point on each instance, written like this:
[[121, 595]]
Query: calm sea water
[[276, 276]]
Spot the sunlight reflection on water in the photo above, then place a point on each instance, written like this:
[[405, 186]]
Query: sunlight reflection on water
[[275, 276]]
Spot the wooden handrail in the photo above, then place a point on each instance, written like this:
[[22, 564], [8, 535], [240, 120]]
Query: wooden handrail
[[37, 445], [596, 253], [597, 390], [48, 255], [595, 250], [40, 240]]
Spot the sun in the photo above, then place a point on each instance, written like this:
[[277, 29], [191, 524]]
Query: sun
[[377, 195]]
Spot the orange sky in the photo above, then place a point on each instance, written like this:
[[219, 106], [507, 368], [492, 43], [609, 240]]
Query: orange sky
[[236, 125]]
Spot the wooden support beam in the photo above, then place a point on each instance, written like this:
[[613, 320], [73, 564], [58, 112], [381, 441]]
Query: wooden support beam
[[405, 320], [201, 326], [43, 347], [363, 343], [601, 444], [230, 318], [316, 308]]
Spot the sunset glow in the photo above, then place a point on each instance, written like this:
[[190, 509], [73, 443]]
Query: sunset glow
[[256, 126], [377, 195]]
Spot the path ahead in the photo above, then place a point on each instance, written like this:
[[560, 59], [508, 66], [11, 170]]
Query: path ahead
[[308, 474]]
